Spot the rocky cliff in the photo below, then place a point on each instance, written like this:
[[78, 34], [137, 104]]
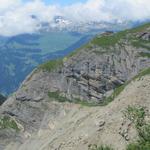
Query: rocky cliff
[[92, 72], [93, 75]]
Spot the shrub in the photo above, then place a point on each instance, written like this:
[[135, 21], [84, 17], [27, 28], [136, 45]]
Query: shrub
[[8, 123], [133, 146], [135, 114], [138, 146], [144, 133]]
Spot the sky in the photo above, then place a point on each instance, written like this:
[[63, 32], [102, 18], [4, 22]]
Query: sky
[[60, 2], [63, 2], [15, 15]]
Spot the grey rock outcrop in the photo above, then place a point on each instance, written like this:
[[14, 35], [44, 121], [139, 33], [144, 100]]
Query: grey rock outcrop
[[86, 76]]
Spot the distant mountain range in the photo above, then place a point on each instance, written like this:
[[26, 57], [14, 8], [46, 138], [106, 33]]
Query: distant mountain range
[[60, 23]]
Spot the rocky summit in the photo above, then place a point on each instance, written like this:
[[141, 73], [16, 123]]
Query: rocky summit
[[77, 102]]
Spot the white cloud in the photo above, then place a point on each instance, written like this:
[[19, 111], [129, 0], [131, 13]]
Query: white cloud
[[129, 9], [8, 4], [15, 16], [92, 10]]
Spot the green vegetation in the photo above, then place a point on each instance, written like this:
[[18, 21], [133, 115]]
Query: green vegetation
[[142, 73], [137, 116], [109, 40], [118, 90], [144, 133], [106, 41], [57, 97], [138, 43], [8, 123], [137, 146], [51, 65], [140, 28], [143, 54]]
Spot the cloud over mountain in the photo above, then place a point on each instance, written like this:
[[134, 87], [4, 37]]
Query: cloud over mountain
[[17, 16]]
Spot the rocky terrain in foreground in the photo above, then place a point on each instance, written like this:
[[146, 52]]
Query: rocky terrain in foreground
[[54, 107]]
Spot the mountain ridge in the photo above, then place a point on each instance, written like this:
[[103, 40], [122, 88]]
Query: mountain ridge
[[97, 59], [51, 107]]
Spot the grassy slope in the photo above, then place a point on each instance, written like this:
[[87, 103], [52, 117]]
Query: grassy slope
[[51, 65], [106, 41]]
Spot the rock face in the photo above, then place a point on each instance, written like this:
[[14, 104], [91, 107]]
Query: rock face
[[89, 75], [93, 72], [145, 36]]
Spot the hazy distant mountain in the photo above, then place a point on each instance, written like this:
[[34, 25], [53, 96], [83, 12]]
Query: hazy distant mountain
[[20, 54], [61, 23]]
